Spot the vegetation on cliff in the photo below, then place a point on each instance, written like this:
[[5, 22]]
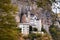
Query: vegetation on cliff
[[8, 30]]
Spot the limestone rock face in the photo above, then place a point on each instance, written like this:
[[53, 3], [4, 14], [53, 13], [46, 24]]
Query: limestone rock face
[[29, 12]]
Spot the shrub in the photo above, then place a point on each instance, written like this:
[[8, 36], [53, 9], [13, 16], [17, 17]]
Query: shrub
[[55, 32]]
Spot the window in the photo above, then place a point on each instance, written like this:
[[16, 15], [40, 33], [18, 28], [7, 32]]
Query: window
[[47, 18], [47, 14], [31, 15]]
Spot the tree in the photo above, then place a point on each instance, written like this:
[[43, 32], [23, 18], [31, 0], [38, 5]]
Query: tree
[[43, 30], [38, 36], [46, 4], [8, 30], [55, 32]]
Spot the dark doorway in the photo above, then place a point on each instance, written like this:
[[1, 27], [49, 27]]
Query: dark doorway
[[30, 29]]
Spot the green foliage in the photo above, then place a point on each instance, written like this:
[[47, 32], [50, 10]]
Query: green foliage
[[33, 35], [8, 34], [34, 29], [45, 4], [7, 11], [5, 1], [43, 30], [55, 32], [8, 30], [39, 36]]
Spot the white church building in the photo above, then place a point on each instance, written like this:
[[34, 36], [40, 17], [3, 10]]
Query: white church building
[[30, 16], [30, 22]]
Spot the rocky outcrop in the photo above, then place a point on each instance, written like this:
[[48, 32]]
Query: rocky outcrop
[[28, 7]]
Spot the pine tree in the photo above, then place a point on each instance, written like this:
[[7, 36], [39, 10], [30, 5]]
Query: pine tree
[[8, 30]]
